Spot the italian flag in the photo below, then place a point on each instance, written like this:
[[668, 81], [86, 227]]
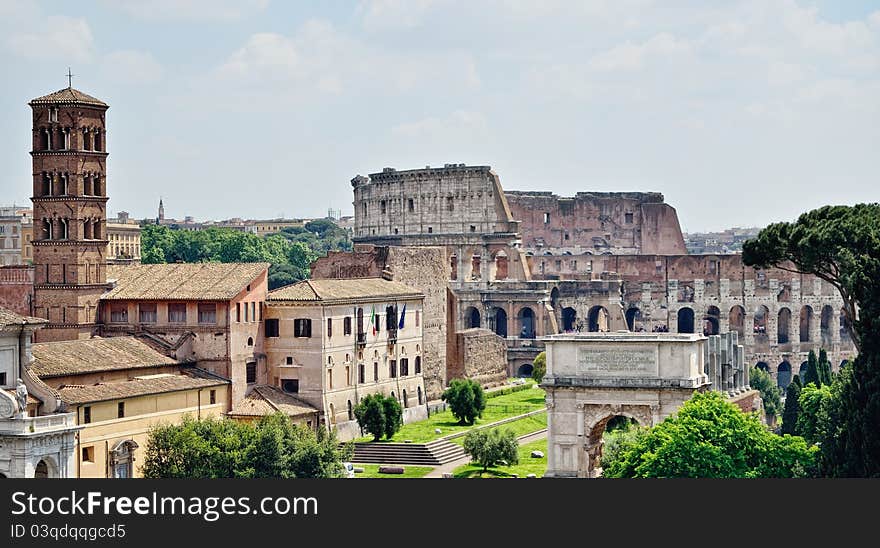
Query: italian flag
[[373, 319]]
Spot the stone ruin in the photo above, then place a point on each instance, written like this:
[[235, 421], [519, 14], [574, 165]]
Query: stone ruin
[[724, 360]]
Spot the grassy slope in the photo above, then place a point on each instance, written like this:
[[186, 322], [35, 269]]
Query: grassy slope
[[527, 465], [497, 408], [520, 427]]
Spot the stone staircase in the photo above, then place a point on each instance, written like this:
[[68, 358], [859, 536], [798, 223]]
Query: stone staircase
[[432, 453]]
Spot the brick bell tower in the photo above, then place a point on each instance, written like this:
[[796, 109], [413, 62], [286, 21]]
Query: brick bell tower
[[70, 212]]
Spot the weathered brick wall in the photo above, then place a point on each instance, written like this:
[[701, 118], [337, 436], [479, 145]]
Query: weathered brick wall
[[599, 222], [750, 401], [17, 289], [69, 189], [480, 355]]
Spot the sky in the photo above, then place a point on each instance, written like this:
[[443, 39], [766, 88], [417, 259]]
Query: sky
[[741, 113]]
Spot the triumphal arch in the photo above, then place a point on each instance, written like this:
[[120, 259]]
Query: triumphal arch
[[593, 377]]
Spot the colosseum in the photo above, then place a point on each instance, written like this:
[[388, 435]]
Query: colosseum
[[529, 264]]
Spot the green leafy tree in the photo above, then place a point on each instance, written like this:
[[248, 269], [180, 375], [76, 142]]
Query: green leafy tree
[[761, 381], [811, 375], [393, 416], [539, 368], [273, 447], [493, 447], [709, 437], [379, 416], [285, 274], [466, 400], [792, 407], [841, 245], [153, 255], [813, 414], [619, 440]]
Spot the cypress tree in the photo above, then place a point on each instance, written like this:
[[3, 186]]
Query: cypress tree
[[824, 368], [791, 409], [811, 375]]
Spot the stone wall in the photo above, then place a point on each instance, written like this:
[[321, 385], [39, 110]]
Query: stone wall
[[424, 268], [480, 355], [429, 203], [598, 222]]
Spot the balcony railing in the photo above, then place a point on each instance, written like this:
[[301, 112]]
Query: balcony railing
[[361, 339], [30, 425]]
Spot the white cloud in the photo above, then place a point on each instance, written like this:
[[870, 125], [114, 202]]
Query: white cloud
[[317, 58], [818, 35], [133, 67], [630, 56], [68, 38], [783, 74], [189, 10], [460, 122], [377, 15]]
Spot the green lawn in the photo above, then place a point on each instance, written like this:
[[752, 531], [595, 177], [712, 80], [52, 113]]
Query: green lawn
[[372, 471], [520, 427], [527, 465], [497, 408]]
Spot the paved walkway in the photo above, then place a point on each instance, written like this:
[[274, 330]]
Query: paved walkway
[[452, 465]]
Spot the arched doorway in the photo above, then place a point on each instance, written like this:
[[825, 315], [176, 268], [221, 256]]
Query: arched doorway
[[569, 319], [597, 319], [500, 322], [825, 325], [711, 321], [685, 320], [471, 317], [803, 369], [350, 411], [554, 297], [783, 375], [501, 265], [332, 414], [42, 470], [760, 323], [419, 394], [844, 327], [736, 319], [527, 323], [763, 366], [782, 326], [806, 322], [605, 435], [525, 370], [632, 316], [405, 399]]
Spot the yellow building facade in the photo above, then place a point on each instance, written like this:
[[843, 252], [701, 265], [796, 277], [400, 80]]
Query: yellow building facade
[[118, 389]]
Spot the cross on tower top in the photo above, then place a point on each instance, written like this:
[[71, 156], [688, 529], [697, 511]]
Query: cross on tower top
[[69, 78]]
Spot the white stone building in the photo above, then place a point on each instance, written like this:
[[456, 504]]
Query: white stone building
[[30, 445]]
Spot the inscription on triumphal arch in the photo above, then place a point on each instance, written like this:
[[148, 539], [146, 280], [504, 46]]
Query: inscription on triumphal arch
[[593, 377]]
